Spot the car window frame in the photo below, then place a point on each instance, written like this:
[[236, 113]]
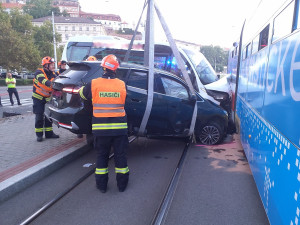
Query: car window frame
[[137, 89], [161, 75], [127, 75]]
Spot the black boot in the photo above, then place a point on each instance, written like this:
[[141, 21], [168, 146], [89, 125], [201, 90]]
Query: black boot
[[122, 181], [102, 190], [101, 182], [53, 136], [39, 139]]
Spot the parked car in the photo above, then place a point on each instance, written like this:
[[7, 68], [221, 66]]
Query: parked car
[[3, 75], [14, 75], [171, 111], [28, 75]]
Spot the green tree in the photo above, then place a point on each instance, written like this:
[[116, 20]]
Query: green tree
[[43, 38], [65, 14], [216, 56], [21, 22], [40, 8], [16, 41]]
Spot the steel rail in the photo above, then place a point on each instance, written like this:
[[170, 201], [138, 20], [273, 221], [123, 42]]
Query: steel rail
[[62, 194], [161, 213]]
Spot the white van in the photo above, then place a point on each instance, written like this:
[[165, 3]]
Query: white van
[[203, 76]]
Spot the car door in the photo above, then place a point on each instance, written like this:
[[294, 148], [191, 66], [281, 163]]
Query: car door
[[180, 106], [136, 102]]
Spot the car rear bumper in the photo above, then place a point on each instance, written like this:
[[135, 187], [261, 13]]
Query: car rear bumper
[[77, 120]]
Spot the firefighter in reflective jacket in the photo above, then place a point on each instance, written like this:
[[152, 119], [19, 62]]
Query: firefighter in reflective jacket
[[62, 66], [42, 89], [109, 123]]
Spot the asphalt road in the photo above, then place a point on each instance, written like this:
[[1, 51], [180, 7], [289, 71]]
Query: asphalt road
[[25, 93], [215, 187]]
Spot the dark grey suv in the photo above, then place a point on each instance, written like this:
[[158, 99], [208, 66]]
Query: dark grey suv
[[171, 111]]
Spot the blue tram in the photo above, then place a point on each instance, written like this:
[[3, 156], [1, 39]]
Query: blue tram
[[266, 65]]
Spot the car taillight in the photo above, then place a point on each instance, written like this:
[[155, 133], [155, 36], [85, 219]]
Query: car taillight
[[56, 93], [71, 90]]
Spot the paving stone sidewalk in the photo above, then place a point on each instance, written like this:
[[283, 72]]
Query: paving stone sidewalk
[[18, 141], [24, 161]]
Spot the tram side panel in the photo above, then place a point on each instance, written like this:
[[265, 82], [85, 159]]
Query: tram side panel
[[267, 108]]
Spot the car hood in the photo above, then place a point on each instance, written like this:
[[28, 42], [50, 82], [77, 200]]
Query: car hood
[[220, 85]]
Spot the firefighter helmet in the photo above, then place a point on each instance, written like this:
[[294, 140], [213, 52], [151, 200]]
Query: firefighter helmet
[[91, 58], [47, 60], [110, 62], [62, 62]]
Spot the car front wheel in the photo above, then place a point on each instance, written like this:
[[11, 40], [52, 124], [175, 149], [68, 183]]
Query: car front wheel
[[211, 134]]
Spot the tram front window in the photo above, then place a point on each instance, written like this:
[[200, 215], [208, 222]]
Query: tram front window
[[204, 70]]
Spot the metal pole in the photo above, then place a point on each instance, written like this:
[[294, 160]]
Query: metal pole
[[54, 41], [149, 55], [215, 63]]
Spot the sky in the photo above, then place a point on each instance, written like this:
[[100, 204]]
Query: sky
[[204, 22]]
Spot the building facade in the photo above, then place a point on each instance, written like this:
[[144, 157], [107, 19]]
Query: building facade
[[72, 26], [107, 20], [8, 5], [71, 7]]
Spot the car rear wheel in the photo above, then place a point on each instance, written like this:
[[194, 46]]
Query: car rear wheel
[[211, 134]]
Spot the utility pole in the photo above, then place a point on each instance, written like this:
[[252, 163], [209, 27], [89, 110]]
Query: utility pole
[[54, 41]]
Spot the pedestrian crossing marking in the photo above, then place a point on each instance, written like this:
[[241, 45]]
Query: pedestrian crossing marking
[[24, 102]]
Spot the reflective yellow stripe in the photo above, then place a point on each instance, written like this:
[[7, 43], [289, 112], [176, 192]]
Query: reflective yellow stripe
[[36, 81], [48, 129], [48, 99], [44, 81], [39, 129], [37, 96], [108, 110], [122, 170], [108, 105], [40, 75], [101, 171], [81, 93], [109, 126]]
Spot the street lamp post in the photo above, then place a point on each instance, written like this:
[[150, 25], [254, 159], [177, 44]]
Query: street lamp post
[[54, 41], [219, 57]]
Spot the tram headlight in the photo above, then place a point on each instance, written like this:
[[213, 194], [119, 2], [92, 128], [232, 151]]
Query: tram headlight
[[219, 96]]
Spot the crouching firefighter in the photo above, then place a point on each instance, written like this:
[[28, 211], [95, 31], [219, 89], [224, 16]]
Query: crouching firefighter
[[109, 123], [42, 88]]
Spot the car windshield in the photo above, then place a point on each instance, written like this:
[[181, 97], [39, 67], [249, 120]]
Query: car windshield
[[204, 70]]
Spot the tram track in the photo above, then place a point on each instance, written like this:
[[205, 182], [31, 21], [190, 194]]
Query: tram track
[[59, 196], [161, 204], [162, 211]]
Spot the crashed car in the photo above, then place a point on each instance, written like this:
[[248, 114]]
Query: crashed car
[[171, 112]]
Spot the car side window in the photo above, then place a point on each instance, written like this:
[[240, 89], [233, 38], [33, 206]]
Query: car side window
[[158, 85], [174, 88], [138, 79], [122, 74]]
